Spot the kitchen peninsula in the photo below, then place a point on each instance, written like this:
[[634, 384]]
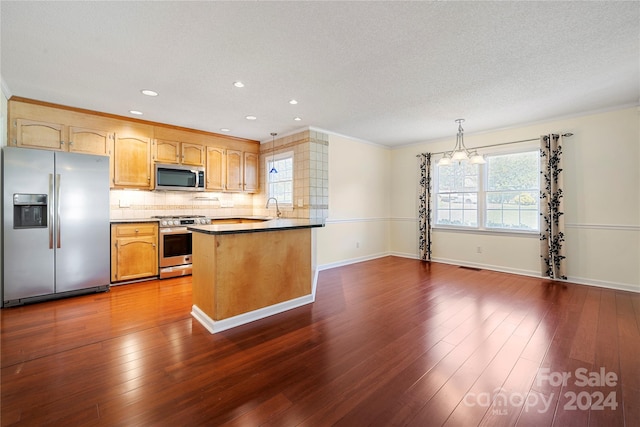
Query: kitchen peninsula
[[248, 271]]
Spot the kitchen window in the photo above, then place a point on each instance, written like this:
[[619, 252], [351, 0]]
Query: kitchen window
[[280, 183], [501, 195]]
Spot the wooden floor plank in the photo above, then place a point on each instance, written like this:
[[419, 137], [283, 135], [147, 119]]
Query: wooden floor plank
[[388, 341]]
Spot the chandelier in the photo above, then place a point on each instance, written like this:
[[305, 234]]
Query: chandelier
[[460, 153]]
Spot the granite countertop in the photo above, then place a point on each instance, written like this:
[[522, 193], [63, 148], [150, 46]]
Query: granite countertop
[[254, 217], [254, 227], [132, 220]]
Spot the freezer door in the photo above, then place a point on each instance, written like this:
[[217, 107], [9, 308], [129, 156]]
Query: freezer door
[[82, 221], [28, 252]]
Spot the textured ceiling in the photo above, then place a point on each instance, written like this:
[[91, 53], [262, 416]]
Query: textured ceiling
[[391, 73]]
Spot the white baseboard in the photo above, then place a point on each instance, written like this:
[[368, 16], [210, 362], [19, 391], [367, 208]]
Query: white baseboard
[[498, 268], [352, 261], [602, 284], [214, 326], [572, 279]]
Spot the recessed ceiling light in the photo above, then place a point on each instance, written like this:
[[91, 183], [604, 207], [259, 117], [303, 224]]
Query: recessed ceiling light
[[149, 92], [238, 84], [250, 117], [293, 102], [225, 130], [297, 119], [136, 112]]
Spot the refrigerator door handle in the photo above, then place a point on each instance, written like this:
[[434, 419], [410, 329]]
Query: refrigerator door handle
[[50, 201], [58, 210]]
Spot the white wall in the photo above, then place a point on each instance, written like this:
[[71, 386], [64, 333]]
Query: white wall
[[357, 227], [602, 203], [4, 133]]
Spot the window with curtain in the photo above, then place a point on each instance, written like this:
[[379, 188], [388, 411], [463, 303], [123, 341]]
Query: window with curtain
[[501, 195]]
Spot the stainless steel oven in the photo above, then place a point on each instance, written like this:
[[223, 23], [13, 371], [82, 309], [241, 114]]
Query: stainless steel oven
[[175, 245]]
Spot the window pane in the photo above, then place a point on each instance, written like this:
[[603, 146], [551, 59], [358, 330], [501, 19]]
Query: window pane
[[457, 197], [513, 171], [280, 183], [512, 191]]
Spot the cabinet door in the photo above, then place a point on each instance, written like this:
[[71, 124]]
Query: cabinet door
[[250, 172], [166, 151], [215, 169], [132, 162], [134, 251], [90, 141], [192, 154], [135, 258], [35, 134], [234, 170]]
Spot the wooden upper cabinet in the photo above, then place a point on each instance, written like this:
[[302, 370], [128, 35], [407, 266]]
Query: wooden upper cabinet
[[231, 164], [231, 170], [192, 154], [234, 170], [90, 141], [215, 169], [132, 159], [174, 152], [37, 134], [251, 172], [166, 151]]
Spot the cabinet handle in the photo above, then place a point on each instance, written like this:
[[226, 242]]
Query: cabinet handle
[[137, 230]]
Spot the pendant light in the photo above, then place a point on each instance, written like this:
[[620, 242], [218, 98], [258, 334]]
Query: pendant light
[[460, 152], [273, 153]]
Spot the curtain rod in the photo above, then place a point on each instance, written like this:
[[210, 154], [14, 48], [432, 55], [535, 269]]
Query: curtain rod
[[568, 134]]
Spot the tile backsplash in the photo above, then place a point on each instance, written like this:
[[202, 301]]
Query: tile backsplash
[[145, 204]]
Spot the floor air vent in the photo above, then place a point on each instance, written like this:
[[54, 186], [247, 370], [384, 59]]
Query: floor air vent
[[470, 268]]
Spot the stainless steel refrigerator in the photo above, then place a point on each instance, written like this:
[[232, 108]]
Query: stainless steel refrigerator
[[55, 221]]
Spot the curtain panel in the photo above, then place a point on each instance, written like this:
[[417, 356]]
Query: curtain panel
[[424, 207], [551, 208]]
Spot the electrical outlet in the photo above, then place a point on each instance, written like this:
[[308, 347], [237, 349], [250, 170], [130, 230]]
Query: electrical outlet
[[124, 204], [478, 249], [357, 245], [300, 203]]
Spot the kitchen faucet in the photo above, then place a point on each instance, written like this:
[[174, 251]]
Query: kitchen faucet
[[278, 213]]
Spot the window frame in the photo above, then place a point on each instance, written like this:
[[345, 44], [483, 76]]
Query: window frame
[[280, 156], [482, 192]]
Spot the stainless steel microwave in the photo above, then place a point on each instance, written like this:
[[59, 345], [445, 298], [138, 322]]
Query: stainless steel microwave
[[179, 177]]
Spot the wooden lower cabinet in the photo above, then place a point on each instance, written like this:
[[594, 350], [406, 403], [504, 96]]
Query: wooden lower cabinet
[[134, 251]]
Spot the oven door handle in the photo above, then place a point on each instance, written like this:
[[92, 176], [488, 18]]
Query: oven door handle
[[180, 230]]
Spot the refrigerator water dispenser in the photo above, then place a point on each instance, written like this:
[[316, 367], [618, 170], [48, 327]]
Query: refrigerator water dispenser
[[29, 211]]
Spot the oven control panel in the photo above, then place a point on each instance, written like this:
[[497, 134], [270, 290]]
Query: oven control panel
[[178, 221]]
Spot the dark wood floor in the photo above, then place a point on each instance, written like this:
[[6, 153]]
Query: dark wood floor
[[388, 342]]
